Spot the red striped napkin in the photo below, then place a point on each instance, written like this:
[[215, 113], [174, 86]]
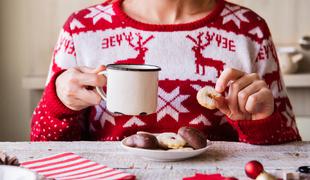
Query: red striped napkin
[[71, 166]]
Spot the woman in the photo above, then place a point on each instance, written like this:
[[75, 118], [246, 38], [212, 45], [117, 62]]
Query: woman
[[196, 43]]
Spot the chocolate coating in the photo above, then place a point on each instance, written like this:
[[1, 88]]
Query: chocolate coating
[[195, 138], [145, 141]]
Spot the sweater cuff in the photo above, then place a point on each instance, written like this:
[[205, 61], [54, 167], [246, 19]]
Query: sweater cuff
[[257, 129], [55, 106]]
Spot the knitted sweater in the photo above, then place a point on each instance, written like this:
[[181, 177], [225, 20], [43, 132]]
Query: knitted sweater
[[191, 55]]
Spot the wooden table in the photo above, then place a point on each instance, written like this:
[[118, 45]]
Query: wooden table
[[227, 158]]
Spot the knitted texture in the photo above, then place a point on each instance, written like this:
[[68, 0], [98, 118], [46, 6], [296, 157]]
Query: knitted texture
[[191, 56]]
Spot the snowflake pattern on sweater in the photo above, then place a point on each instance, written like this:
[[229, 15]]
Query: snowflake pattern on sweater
[[191, 56]]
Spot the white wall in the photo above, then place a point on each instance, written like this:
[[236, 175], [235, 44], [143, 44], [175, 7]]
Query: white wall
[[14, 112], [28, 32]]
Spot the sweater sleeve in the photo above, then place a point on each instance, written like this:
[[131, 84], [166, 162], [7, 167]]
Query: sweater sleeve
[[51, 120], [280, 127]]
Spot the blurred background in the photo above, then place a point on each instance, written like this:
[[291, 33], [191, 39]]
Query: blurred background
[[29, 30]]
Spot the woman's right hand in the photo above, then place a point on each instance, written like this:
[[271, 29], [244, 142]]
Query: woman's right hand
[[75, 87]]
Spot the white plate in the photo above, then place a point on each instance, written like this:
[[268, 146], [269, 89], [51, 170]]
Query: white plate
[[16, 173], [163, 155]]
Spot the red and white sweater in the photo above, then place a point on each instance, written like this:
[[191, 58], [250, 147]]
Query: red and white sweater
[[191, 56]]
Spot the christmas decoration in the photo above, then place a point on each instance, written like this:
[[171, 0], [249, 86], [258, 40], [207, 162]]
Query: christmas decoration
[[7, 160], [291, 176], [265, 176], [304, 42], [253, 169], [304, 169]]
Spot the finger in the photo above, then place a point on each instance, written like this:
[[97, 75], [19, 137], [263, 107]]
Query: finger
[[244, 94], [74, 103], [220, 103], [89, 97], [78, 104], [228, 75], [256, 100], [100, 68], [85, 69], [236, 87], [87, 79]]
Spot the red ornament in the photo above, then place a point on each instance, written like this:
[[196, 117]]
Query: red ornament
[[253, 169]]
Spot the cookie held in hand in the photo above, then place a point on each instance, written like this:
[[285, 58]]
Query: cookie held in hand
[[195, 138], [206, 95], [142, 140]]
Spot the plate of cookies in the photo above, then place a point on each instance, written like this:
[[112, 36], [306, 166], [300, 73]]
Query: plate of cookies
[[168, 146]]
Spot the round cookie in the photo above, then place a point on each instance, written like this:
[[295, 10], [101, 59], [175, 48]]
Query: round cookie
[[145, 141], [170, 140], [206, 95], [195, 138]]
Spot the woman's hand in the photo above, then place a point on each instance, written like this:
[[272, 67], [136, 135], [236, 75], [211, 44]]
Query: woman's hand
[[248, 97], [75, 87]]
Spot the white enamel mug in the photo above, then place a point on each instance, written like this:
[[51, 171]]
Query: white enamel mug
[[131, 89]]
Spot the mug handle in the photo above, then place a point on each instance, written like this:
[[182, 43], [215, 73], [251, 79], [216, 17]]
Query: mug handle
[[99, 89]]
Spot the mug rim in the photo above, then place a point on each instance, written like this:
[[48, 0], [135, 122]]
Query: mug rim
[[127, 68]]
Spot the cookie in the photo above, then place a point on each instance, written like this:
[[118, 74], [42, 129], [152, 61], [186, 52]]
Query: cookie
[[194, 138], [170, 141], [143, 140], [205, 97]]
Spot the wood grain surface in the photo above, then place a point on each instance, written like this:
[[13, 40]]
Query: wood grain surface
[[227, 158]]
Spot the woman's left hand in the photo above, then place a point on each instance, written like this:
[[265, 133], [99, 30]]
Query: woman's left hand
[[248, 97]]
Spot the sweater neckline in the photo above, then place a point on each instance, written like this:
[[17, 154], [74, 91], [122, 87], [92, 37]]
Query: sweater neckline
[[117, 6]]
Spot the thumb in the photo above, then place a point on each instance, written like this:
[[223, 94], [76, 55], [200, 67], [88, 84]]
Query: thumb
[[99, 69], [85, 69]]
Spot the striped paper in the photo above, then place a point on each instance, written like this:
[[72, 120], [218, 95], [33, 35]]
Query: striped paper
[[67, 166]]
